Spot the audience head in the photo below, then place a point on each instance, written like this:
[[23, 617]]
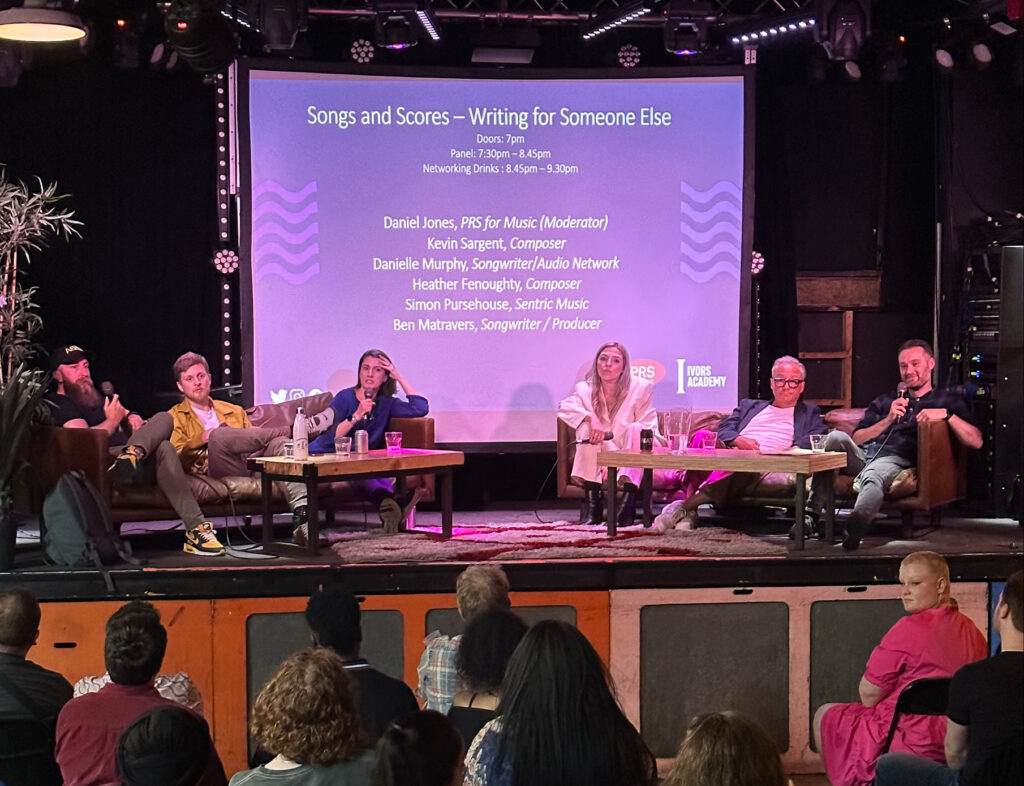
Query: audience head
[[488, 643], [419, 749], [925, 579], [555, 681], [135, 643], [333, 616], [611, 364], [373, 376], [307, 711], [1012, 601], [168, 746], [19, 620], [726, 749], [481, 588]]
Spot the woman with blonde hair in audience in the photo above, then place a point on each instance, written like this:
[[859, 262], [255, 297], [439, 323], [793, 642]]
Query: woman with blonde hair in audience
[[933, 640], [558, 721], [726, 749], [419, 749], [306, 716]]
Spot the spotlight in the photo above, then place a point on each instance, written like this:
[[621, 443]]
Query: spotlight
[[40, 25], [756, 262], [362, 50], [393, 31], [843, 26], [280, 22], [629, 56], [851, 71], [225, 261], [200, 34], [685, 36]]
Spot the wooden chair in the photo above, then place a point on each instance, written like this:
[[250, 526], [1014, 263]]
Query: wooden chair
[[926, 696]]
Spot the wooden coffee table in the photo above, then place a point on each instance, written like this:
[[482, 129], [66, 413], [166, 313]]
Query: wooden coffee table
[[328, 468], [802, 464]]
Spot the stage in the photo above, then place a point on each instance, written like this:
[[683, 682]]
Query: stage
[[729, 616]]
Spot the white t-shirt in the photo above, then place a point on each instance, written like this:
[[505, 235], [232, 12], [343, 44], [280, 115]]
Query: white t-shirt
[[772, 427], [208, 417]]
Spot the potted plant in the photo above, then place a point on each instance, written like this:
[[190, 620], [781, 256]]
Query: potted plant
[[29, 219]]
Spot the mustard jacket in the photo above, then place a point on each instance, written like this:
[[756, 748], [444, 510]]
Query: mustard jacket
[[187, 436]]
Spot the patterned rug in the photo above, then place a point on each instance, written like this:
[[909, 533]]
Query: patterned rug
[[557, 540]]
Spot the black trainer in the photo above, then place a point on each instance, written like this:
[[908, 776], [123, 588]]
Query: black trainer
[[127, 467], [300, 526]]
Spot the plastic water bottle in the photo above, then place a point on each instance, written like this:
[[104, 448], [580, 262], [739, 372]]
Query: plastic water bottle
[[300, 436]]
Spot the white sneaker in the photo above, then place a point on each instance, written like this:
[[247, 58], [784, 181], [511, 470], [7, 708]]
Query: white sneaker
[[669, 516]]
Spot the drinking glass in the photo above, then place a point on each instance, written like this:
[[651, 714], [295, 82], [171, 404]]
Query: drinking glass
[[394, 441], [818, 443], [342, 446], [709, 442], [289, 449]]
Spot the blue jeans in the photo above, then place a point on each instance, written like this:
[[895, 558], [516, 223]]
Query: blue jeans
[[874, 477], [902, 769]]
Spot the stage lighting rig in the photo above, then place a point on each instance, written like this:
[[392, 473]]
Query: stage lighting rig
[[201, 34], [843, 26], [771, 29], [398, 22], [622, 15], [686, 26]]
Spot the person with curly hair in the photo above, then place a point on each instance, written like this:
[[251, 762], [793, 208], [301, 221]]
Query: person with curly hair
[[558, 722], [306, 716], [422, 748], [488, 643], [726, 749]]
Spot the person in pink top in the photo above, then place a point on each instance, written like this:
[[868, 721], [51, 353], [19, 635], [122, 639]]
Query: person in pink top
[[933, 640]]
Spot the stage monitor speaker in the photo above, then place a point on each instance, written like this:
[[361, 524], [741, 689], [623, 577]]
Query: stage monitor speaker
[[706, 657], [843, 633], [448, 621], [1009, 435], [270, 638]]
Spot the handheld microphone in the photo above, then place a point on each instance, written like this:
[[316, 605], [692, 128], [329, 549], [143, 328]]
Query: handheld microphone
[[902, 392], [368, 395], [107, 389], [607, 436]]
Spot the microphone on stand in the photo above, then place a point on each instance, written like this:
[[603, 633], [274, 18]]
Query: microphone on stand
[[607, 436], [902, 392]]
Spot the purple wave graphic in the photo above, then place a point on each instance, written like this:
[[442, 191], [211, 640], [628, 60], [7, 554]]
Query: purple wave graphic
[[272, 187], [710, 231], [285, 232]]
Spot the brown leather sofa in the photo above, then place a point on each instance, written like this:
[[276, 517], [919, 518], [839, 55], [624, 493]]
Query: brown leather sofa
[[50, 452], [938, 479]]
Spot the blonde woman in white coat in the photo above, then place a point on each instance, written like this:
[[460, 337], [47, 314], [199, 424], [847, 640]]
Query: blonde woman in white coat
[[608, 403]]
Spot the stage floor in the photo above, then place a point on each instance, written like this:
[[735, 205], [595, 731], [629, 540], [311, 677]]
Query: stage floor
[[542, 550]]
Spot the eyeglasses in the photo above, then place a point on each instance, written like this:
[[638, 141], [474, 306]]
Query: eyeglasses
[[787, 383]]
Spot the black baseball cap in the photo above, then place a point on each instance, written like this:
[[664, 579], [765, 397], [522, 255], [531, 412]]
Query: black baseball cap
[[67, 355]]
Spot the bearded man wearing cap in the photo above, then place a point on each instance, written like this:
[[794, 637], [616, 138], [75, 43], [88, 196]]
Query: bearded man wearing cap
[[142, 450]]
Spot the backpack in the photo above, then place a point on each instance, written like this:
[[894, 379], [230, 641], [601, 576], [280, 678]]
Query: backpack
[[77, 529]]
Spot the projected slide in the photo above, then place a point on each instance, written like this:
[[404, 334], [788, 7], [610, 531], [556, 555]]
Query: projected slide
[[489, 235]]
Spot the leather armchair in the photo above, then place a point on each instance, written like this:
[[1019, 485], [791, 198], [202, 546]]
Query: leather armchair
[[50, 452]]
